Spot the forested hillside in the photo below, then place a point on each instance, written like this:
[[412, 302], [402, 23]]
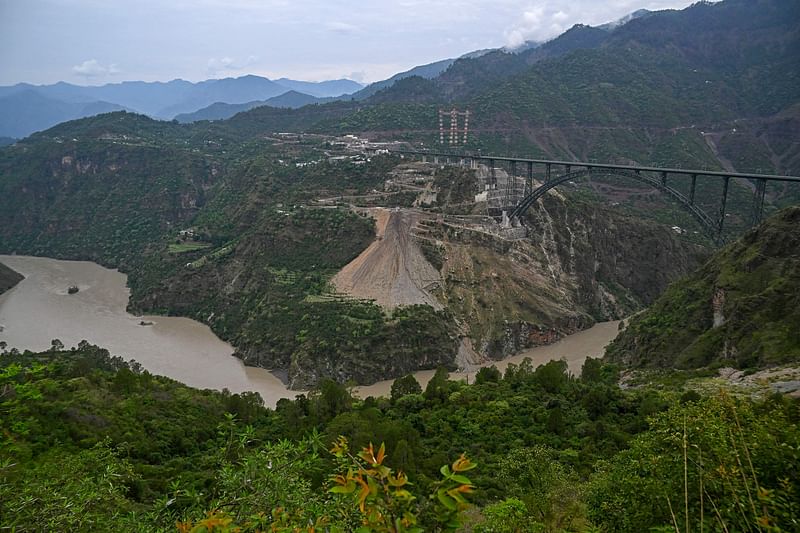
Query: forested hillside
[[98, 445], [608, 95], [741, 309], [219, 221], [266, 227]]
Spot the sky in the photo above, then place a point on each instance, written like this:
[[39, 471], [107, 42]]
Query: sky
[[92, 42]]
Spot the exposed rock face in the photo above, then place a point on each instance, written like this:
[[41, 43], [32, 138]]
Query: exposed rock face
[[521, 335], [305, 372], [718, 305], [580, 263], [8, 278], [742, 308], [619, 263]]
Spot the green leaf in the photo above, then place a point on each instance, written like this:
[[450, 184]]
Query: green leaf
[[446, 500]]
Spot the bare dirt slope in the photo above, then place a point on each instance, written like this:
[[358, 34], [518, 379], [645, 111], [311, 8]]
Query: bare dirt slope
[[392, 270]]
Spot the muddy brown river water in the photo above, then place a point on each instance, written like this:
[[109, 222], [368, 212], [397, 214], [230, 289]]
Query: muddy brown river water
[[39, 309]]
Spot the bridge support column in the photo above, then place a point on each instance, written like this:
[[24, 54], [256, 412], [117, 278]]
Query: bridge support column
[[691, 193], [722, 207], [758, 201], [547, 172], [663, 179], [530, 178], [512, 186], [494, 177]]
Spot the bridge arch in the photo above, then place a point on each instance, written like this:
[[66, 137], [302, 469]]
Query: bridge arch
[[706, 222]]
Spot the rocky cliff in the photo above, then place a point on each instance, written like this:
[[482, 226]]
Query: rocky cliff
[[8, 278], [741, 309], [578, 264]]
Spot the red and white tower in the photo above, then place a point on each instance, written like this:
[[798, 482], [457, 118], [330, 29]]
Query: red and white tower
[[457, 135]]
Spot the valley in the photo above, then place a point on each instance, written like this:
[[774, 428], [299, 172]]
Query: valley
[[41, 308], [550, 286]]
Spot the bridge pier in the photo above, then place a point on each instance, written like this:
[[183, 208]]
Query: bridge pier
[[530, 178], [512, 185], [725, 184], [547, 172], [691, 193], [758, 201]]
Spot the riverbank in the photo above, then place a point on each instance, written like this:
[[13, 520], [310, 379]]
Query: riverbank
[[40, 309], [574, 349]]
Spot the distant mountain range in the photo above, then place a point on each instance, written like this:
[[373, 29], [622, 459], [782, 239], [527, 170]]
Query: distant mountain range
[[26, 108], [661, 70], [222, 110]]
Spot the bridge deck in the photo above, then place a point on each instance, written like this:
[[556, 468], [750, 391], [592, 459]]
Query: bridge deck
[[606, 166]]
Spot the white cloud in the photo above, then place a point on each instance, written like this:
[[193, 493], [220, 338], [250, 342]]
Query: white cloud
[[543, 20], [158, 40], [358, 76], [538, 23], [229, 64], [341, 27], [92, 68]]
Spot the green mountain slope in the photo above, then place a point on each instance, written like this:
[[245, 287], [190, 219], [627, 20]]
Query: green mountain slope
[[95, 444], [120, 189], [593, 93], [741, 309], [103, 192]]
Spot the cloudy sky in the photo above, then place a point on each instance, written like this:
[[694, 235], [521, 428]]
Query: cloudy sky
[[99, 41]]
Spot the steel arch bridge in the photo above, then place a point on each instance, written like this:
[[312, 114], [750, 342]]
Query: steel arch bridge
[[706, 222], [656, 177]]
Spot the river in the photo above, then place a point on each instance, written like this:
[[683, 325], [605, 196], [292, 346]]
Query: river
[[39, 309]]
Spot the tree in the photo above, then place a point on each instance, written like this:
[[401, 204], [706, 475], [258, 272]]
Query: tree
[[437, 386], [333, 399], [69, 491], [730, 465], [547, 488], [591, 370], [552, 376], [488, 374], [405, 385], [56, 345], [507, 516]]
